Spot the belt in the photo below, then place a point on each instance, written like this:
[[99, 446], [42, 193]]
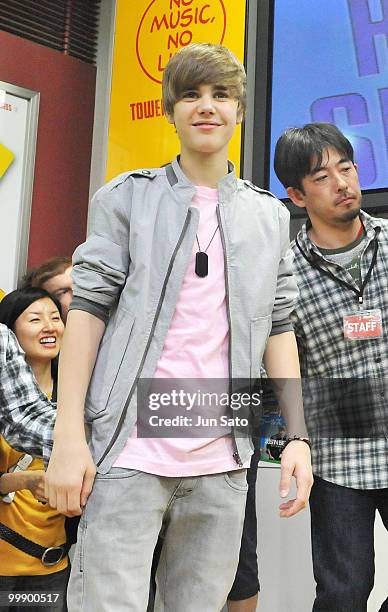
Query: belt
[[48, 556]]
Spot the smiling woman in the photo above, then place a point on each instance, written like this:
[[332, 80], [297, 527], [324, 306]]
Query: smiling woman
[[34, 316]]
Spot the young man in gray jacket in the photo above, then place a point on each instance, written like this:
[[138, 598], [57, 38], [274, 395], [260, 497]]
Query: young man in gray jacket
[[186, 274]]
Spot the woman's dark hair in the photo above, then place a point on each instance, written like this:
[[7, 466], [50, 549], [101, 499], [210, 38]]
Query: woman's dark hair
[[15, 303], [299, 151]]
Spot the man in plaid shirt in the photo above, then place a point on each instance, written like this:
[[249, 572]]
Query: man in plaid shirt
[[341, 266], [26, 416]]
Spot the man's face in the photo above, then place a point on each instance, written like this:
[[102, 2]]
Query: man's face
[[61, 286], [332, 193], [205, 119]]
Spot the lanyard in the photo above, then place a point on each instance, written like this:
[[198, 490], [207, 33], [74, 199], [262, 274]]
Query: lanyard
[[359, 292]]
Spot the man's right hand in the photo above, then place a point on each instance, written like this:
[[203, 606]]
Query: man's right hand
[[70, 476]]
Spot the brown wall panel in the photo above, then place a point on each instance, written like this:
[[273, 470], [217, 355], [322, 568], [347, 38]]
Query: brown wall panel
[[63, 154]]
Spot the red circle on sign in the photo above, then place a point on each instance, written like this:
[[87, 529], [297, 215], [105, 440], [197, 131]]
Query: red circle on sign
[[145, 69]]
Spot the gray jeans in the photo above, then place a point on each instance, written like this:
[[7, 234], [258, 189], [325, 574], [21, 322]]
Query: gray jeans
[[203, 520]]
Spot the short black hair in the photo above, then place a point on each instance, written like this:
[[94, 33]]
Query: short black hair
[[16, 302], [299, 151]]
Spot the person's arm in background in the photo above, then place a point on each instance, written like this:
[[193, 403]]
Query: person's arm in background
[[71, 470], [27, 416], [33, 480], [281, 362], [282, 366], [99, 272]]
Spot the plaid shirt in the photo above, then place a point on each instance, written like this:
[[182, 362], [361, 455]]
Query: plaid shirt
[[26, 416], [357, 462]]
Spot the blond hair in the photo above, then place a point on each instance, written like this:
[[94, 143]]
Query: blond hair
[[203, 64]]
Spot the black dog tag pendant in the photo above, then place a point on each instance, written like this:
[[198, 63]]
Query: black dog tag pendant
[[201, 264]]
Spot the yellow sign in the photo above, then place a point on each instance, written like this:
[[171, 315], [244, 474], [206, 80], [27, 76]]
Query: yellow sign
[[147, 35], [6, 159]]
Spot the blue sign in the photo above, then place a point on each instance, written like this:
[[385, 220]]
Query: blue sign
[[330, 63]]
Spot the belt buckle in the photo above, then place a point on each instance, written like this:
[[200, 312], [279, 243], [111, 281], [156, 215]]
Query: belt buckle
[[60, 550]]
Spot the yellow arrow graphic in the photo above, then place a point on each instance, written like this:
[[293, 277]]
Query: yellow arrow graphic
[[6, 159]]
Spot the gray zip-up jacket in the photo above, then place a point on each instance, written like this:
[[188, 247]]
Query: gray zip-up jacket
[[130, 270]]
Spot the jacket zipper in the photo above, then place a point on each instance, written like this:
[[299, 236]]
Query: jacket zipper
[[161, 298], [236, 455]]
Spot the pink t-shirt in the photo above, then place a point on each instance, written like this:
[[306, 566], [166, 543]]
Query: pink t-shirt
[[196, 346]]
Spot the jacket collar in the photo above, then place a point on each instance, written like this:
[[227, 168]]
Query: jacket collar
[[179, 181], [370, 224]]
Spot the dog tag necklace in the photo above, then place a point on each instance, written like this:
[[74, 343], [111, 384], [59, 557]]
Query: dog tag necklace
[[202, 258]]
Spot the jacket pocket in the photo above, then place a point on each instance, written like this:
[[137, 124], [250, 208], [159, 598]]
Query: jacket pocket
[[108, 363], [260, 330]]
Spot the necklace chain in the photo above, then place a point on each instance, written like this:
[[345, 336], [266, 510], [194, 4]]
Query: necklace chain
[[211, 240]]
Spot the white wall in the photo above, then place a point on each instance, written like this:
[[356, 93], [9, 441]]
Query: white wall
[[250, 70], [103, 91], [284, 551]]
